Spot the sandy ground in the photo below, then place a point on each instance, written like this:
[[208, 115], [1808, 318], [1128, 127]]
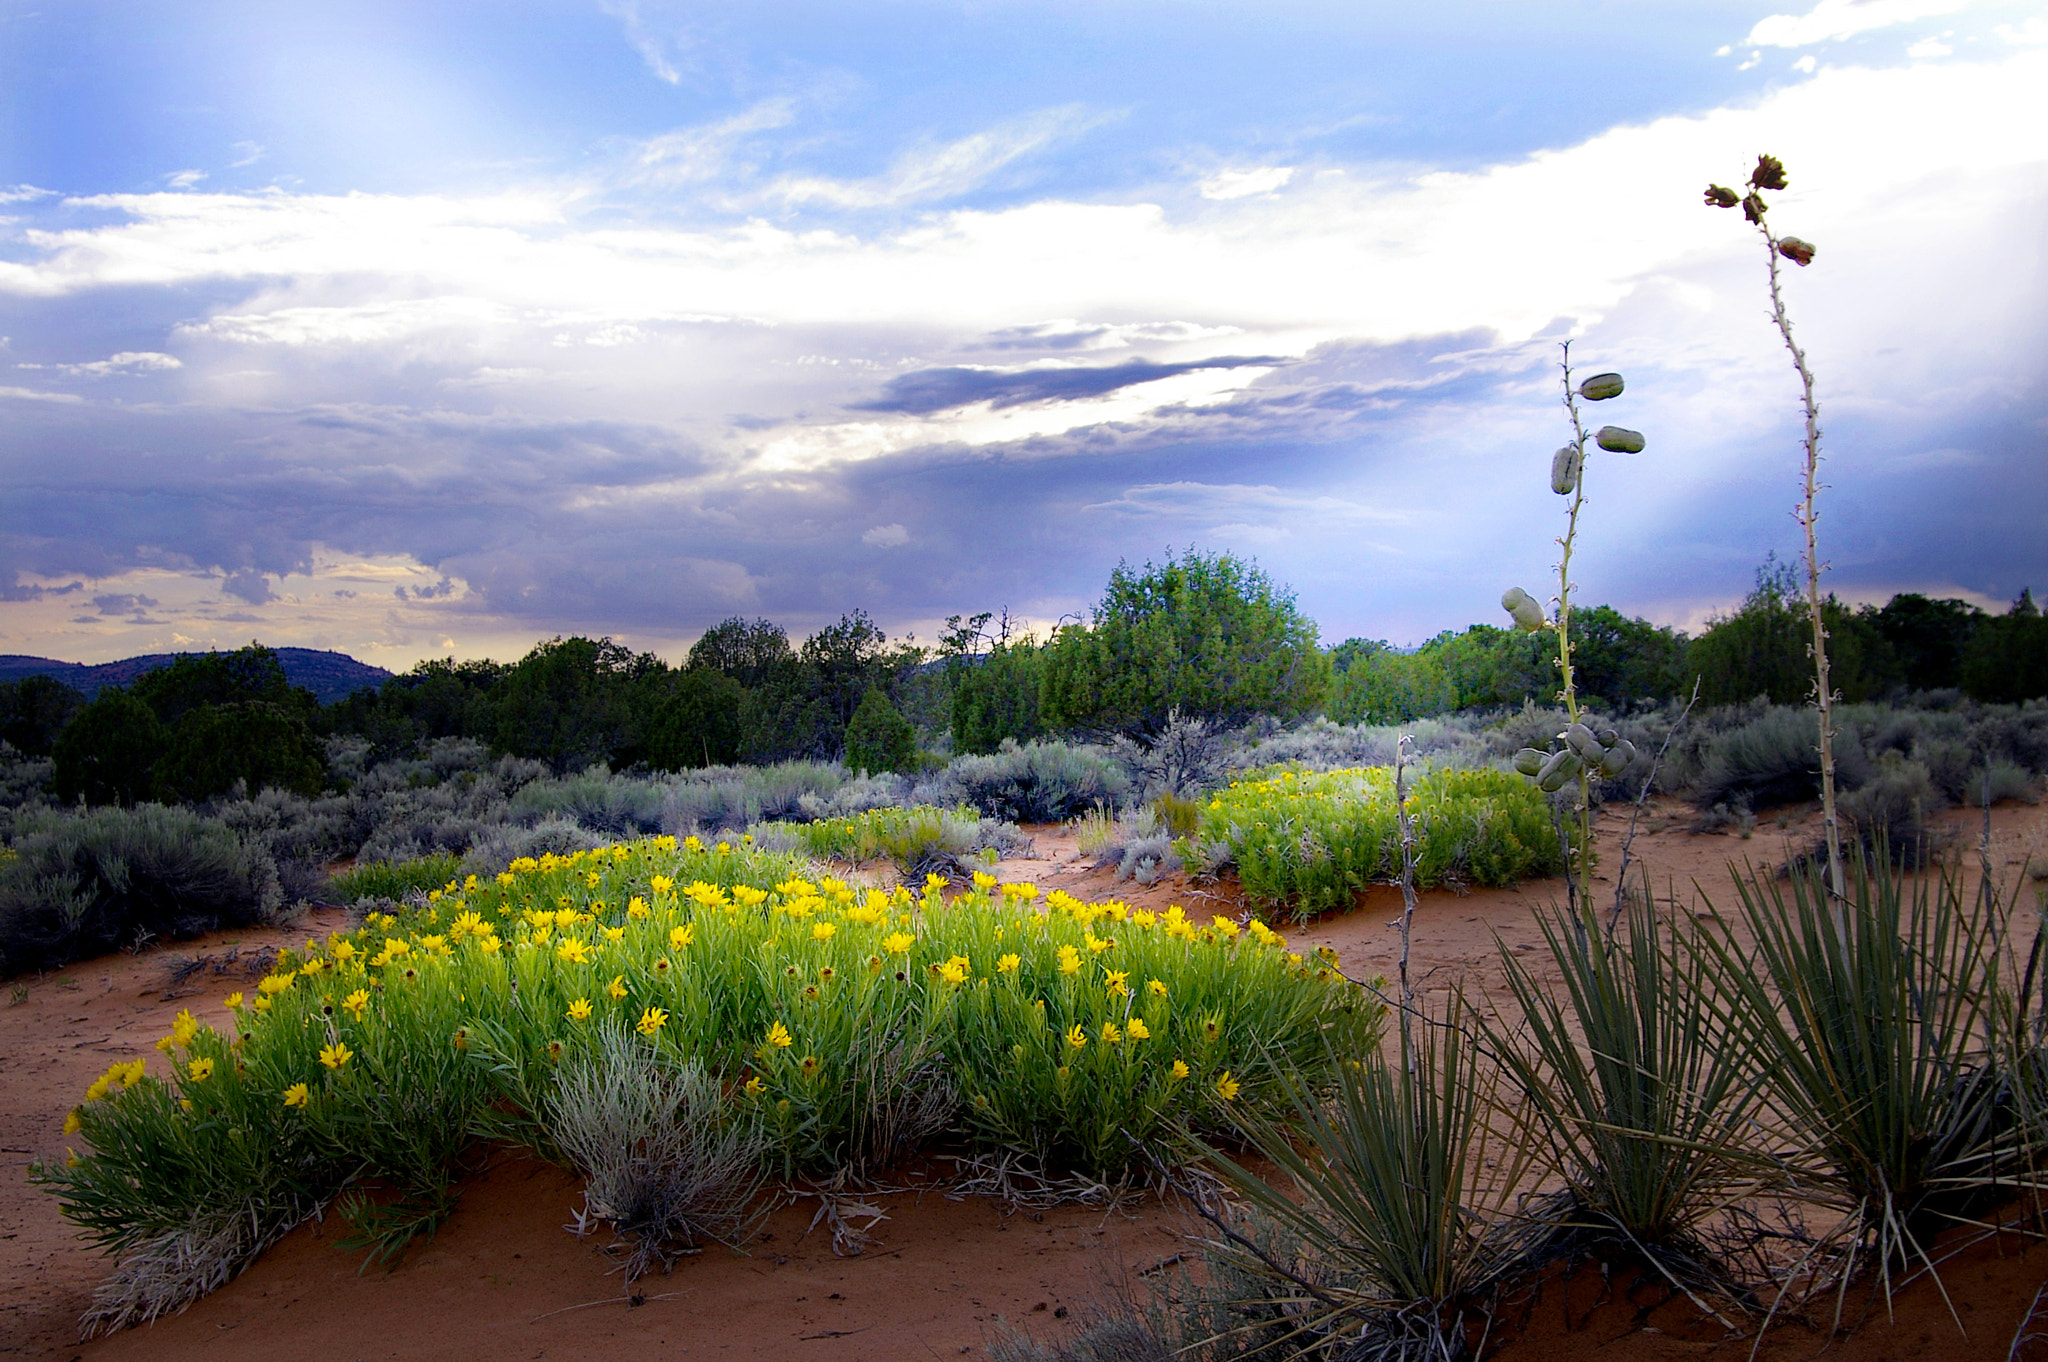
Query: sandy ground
[[503, 1279]]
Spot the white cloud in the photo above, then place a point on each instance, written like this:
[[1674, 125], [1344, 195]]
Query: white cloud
[[1835, 19], [184, 179], [1806, 64], [1240, 184], [662, 50], [935, 172], [886, 537], [1930, 47], [246, 154], [703, 153], [2030, 33], [126, 362], [33, 395]]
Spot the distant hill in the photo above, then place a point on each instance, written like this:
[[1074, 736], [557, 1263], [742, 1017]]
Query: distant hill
[[330, 676]]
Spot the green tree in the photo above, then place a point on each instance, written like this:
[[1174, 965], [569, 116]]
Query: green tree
[[197, 680], [34, 710], [1624, 661], [1928, 637], [693, 720], [260, 744], [1764, 648], [2007, 658], [108, 753], [847, 660], [1490, 667], [437, 699], [879, 738], [751, 652], [995, 697], [1377, 685], [1206, 635], [570, 702]]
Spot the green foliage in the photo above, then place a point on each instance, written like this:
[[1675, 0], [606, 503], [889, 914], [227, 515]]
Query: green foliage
[[1377, 685], [1491, 668], [1928, 638], [257, 743], [82, 884], [571, 702], [846, 1026], [2007, 657], [1037, 782], [1878, 1027], [751, 652], [34, 710], [995, 697], [878, 738], [108, 753], [1208, 636], [395, 880], [1308, 843], [1628, 1081], [1772, 759], [1765, 648], [693, 720], [1622, 661], [206, 680]]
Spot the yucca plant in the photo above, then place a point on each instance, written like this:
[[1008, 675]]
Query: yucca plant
[[1882, 1030], [1395, 1184], [1628, 1084]]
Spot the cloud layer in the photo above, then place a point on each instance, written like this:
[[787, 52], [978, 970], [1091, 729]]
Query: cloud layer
[[697, 377]]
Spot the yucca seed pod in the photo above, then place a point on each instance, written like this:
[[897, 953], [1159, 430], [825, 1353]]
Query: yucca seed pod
[[1562, 766], [1769, 174], [1718, 197], [1600, 387], [1529, 761], [1616, 440], [1528, 612], [1617, 759], [1607, 737], [1797, 251], [1581, 740], [1565, 467], [1753, 207]]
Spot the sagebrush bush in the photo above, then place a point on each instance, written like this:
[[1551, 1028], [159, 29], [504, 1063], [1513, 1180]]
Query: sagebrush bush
[[1038, 782], [596, 799], [81, 884], [1772, 760]]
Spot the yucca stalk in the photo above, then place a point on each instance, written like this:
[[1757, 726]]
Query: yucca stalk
[[1867, 1019], [1394, 1195], [1770, 174], [1626, 1076]]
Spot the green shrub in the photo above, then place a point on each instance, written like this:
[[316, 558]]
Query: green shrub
[[108, 753], [995, 697], [1208, 636], [83, 884], [395, 880], [1772, 759], [258, 745], [879, 738], [34, 710], [1308, 842], [844, 1024], [1381, 686]]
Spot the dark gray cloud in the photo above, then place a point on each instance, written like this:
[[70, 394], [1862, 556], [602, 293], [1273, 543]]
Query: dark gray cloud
[[248, 585], [115, 604], [925, 391]]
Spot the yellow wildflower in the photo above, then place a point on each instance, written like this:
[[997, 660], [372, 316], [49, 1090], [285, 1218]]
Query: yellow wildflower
[[1155, 988], [1227, 1087], [955, 970], [1070, 960], [896, 943], [200, 1069], [1113, 982], [778, 1036], [233, 1001], [297, 1095], [579, 1010], [343, 951], [1008, 963], [573, 951], [275, 983], [335, 1055], [682, 935], [616, 989], [71, 1121], [755, 1087], [1110, 1035], [652, 1021], [1180, 1068], [822, 931], [1076, 1037], [1137, 1030]]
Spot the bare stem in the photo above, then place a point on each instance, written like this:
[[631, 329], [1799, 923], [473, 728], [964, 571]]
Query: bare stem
[[1407, 827], [1629, 840], [1580, 877], [1823, 690]]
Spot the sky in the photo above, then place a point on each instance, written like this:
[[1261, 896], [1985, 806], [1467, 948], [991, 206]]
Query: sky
[[436, 329]]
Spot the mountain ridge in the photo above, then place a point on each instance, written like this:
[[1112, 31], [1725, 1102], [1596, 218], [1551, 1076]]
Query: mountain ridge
[[331, 676]]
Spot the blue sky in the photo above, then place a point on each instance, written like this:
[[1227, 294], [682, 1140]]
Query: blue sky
[[423, 329]]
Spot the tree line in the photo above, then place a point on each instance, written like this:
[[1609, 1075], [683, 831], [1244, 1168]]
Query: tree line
[[1204, 635]]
